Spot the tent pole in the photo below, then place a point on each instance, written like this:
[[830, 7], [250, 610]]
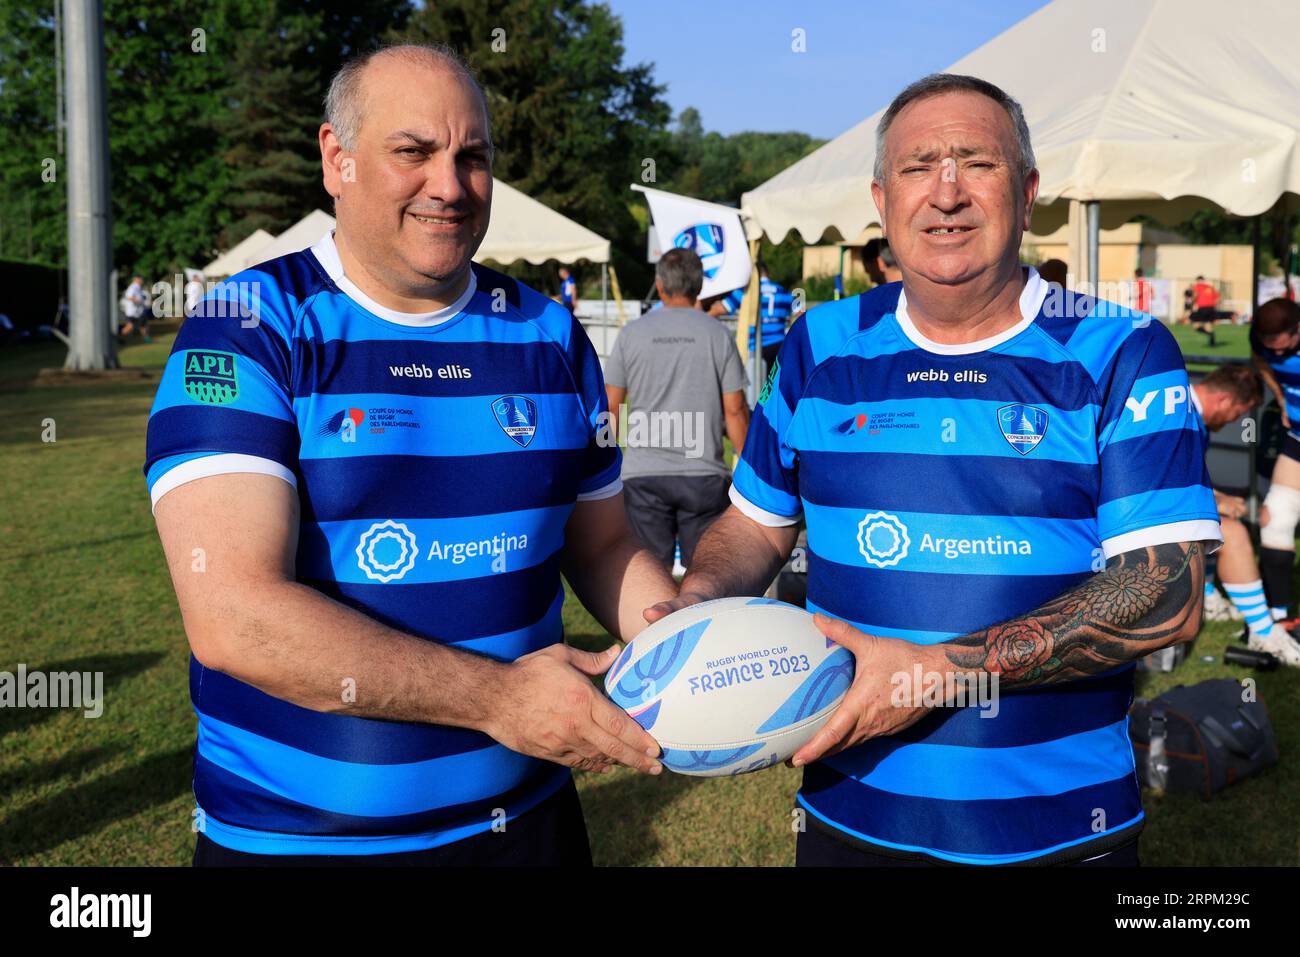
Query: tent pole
[[1254, 264], [1094, 240], [604, 305]]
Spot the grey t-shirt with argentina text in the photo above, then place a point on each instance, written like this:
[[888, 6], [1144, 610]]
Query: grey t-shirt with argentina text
[[675, 365]]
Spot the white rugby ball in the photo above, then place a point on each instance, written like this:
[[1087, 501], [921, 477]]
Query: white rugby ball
[[730, 685]]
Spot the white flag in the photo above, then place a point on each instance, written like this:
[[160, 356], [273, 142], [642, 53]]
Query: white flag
[[714, 232]]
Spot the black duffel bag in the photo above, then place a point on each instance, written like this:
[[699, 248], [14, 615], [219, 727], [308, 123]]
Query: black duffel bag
[[1200, 738]]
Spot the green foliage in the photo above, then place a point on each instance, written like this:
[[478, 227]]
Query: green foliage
[[211, 133], [822, 288], [720, 168]]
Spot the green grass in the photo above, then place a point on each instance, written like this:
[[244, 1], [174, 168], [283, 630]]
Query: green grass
[[1233, 342], [84, 587]]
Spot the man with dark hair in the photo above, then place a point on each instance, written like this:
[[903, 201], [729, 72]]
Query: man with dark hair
[[1221, 398], [686, 383], [1054, 271], [386, 473], [1275, 352], [991, 477], [879, 262]]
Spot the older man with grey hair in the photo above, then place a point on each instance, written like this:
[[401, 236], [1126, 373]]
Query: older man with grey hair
[[1006, 504], [687, 386], [367, 495]]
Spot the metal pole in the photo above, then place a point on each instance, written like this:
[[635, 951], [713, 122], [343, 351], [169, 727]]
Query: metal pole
[[1094, 240], [90, 259]]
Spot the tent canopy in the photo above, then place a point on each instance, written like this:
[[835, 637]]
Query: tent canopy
[[1135, 102], [523, 228], [241, 256]]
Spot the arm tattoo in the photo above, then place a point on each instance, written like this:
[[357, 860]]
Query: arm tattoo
[[1145, 600]]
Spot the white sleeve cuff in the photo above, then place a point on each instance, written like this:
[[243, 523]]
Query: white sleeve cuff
[[1199, 530], [762, 516], [605, 491], [225, 463]]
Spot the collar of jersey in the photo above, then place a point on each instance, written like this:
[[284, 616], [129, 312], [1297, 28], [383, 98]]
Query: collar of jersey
[[327, 254], [1031, 301]]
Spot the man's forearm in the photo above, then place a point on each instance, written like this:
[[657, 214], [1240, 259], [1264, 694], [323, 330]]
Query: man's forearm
[[619, 583], [737, 429], [296, 644], [733, 557], [1266, 373], [1145, 600]]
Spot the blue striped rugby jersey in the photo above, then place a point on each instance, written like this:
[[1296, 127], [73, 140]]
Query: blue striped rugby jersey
[[949, 488], [774, 307], [1286, 367], [437, 460]]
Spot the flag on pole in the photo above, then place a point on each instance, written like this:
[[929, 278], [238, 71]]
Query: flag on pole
[[715, 233]]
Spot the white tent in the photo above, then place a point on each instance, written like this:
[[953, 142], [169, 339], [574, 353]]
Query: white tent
[[523, 228], [300, 235], [240, 257], [1134, 102]]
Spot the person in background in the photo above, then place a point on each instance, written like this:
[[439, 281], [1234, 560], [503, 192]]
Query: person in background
[[1205, 299], [1054, 271], [1275, 352], [1221, 398], [194, 290], [1141, 292], [881, 264], [774, 308], [568, 290], [135, 304], [687, 385]]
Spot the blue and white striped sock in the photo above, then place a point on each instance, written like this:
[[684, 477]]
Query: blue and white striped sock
[[1250, 601]]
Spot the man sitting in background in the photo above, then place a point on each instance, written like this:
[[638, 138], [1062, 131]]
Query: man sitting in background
[[685, 378], [1221, 398]]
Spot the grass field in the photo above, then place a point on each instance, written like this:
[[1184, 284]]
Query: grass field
[[83, 587]]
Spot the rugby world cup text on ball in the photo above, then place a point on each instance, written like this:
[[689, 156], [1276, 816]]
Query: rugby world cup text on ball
[[724, 674]]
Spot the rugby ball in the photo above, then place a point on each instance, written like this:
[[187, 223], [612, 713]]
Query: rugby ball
[[730, 685]]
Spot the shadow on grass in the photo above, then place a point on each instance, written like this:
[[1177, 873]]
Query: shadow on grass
[[620, 814], [111, 540], [68, 765], [116, 669], [77, 811]]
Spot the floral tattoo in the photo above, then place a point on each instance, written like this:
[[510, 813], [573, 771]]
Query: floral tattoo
[[1144, 600]]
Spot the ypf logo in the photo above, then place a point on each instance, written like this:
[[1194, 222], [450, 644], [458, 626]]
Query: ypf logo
[[387, 551], [882, 539]]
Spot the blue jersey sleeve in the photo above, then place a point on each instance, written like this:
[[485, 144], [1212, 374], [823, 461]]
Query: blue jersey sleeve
[[1155, 488], [226, 387], [766, 482]]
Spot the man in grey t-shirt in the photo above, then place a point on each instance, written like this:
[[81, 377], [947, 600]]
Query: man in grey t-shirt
[[686, 383]]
